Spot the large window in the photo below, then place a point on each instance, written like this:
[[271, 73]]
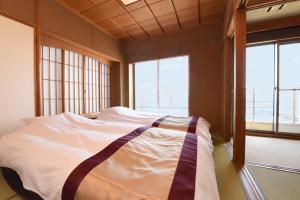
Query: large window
[[161, 86], [72, 82], [273, 87]]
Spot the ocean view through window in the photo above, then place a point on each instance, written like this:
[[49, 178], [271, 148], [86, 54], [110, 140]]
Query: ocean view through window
[[273, 87], [161, 86]]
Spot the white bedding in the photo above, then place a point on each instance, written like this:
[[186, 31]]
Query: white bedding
[[123, 114], [45, 152]]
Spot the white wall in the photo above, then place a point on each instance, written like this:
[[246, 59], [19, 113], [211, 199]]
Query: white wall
[[16, 74]]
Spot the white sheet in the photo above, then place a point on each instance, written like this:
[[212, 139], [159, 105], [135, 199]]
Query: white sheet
[[45, 152], [123, 114]]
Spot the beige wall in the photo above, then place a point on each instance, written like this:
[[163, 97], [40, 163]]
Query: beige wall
[[16, 74], [205, 49]]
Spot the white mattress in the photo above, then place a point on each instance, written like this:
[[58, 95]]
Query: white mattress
[[123, 114], [46, 151]]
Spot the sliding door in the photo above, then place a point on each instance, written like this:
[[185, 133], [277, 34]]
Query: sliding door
[[289, 88], [260, 73], [273, 88]]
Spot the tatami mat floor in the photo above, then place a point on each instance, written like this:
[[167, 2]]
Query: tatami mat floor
[[228, 181], [275, 184], [274, 152]]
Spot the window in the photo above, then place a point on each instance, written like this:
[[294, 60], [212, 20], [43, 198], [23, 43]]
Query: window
[[273, 87], [72, 82], [161, 86], [51, 80]]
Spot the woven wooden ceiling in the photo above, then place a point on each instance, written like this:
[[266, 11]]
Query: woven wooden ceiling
[[147, 18]]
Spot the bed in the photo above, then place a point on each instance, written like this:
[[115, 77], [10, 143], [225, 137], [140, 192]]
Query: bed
[[71, 157], [197, 125]]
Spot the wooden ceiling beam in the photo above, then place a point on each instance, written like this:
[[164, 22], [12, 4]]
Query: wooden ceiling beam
[[121, 4], [108, 18], [274, 24], [177, 18], [199, 11], [160, 26]]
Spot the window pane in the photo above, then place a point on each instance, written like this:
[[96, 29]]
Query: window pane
[[173, 86], [161, 86], [146, 82], [260, 68], [289, 88]]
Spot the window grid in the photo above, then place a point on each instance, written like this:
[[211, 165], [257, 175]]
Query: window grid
[[72, 82], [51, 80], [92, 85], [105, 86]]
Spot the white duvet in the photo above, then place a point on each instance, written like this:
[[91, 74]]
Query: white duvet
[[46, 151], [123, 114]]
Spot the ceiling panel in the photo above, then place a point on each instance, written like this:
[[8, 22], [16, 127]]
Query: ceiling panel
[[211, 8], [135, 5], [189, 24], [142, 14], [147, 18], [184, 4], [150, 24], [188, 14], [172, 28], [112, 8], [94, 14], [167, 20], [162, 8], [123, 20]]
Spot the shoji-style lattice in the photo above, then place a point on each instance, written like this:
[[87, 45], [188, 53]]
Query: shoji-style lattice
[[51, 61], [92, 85], [105, 86], [73, 82]]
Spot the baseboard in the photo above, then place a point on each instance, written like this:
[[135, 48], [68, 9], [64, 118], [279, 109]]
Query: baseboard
[[252, 190]]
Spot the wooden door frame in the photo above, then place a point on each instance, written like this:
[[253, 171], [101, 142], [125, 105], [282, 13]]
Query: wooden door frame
[[238, 28]]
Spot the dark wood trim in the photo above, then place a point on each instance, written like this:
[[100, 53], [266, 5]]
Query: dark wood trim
[[230, 28], [63, 79], [177, 18], [160, 26], [274, 24], [37, 64], [240, 42], [227, 89], [274, 167], [251, 189], [273, 135], [199, 12], [133, 85], [141, 27]]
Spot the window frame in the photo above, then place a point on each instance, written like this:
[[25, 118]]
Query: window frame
[[132, 81], [275, 132]]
